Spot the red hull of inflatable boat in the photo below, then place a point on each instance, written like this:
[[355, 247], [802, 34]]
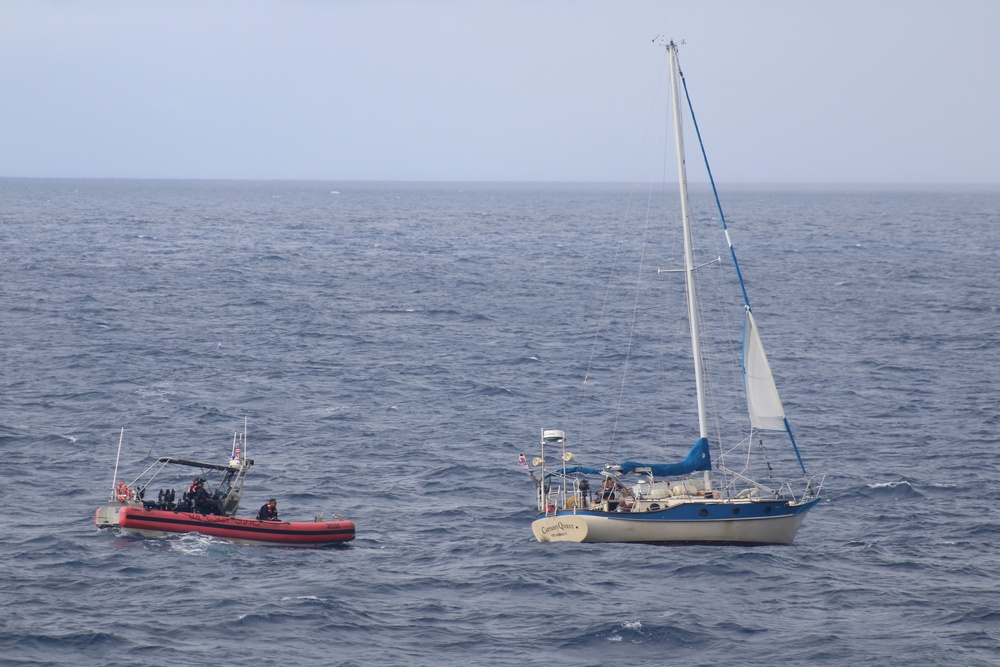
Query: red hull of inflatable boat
[[249, 531]]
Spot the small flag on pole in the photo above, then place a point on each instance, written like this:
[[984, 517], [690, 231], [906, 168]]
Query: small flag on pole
[[523, 461]]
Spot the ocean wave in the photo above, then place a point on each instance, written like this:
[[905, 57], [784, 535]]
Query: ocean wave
[[387, 382]]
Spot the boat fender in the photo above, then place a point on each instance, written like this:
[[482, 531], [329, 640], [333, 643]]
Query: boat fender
[[121, 492]]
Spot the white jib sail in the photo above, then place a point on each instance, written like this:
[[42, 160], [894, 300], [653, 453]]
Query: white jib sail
[[763, 401]]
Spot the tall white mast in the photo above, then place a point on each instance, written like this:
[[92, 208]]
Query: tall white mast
[[688, 247]]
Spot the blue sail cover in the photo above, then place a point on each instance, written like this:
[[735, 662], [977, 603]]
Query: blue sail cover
[[697, 459], [575, 469]]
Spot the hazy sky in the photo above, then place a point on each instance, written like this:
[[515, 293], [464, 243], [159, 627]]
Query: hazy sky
[[839, 91]]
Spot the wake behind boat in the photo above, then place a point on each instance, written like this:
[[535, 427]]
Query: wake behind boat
[[725, 490], [200, 509]]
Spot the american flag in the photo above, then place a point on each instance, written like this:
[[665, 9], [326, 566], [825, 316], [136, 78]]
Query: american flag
[[523, 461]]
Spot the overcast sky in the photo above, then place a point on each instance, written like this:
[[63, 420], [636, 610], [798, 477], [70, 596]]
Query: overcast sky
[[825, 91]]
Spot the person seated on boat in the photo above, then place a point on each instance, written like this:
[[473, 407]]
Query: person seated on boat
[[609, 495], [625, 500], [186, 503], [268, 511], [204, 503]]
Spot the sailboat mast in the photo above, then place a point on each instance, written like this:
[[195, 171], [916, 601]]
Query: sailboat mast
[[688, 244]]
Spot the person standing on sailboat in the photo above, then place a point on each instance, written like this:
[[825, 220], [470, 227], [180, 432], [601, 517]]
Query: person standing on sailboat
[[609, 495]]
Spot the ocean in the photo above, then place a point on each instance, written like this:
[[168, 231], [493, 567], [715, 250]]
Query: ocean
[[393, 347]]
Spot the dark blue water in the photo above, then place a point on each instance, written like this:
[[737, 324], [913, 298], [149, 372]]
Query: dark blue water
[[394, 347]]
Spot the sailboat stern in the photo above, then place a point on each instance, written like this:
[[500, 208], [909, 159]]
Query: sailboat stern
[[560, 528]]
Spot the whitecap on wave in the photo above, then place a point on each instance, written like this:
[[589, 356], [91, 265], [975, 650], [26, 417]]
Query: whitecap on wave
[[628, 626], [196, 544], [891, 485]]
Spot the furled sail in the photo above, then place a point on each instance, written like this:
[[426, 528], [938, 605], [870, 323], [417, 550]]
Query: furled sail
[[763, 401], [699, 458]]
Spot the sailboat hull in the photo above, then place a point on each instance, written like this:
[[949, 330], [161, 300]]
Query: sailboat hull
[[752, 522]]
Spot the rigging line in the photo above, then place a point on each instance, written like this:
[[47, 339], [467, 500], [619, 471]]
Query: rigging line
[[667, 322], [621, 234], [632, 323], [715, 192], [157, 437], [724, 360], [732, 251], [712, 357], [664, 161], [604, 307]]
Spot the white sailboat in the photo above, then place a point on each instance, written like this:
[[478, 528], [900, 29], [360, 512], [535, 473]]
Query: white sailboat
[[711, 496]]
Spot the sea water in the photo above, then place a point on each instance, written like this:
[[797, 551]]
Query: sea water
[[394, 347]]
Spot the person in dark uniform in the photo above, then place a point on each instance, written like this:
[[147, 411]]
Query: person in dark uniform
[[268, 511], [204, 503]]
